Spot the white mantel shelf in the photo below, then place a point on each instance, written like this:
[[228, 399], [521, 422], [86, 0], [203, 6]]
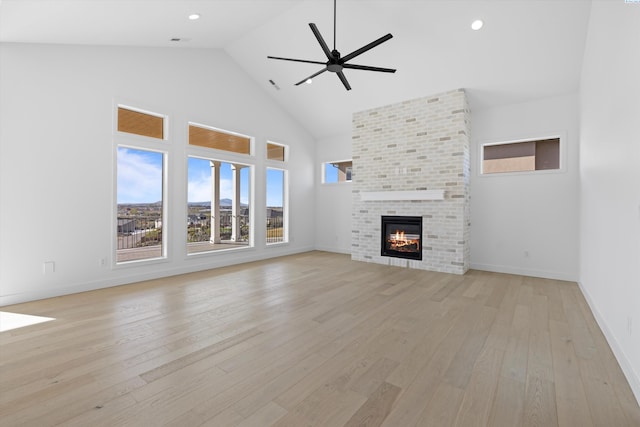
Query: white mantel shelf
[[402, 195]]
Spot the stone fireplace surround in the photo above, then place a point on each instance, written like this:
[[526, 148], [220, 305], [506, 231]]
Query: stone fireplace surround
[[412, 158]]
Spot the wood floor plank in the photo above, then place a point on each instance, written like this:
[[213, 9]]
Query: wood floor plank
[[376, 408], [540, 400], [443, 406], [571, 401], [265, 416], [315, 339], [508, 404], [459, 371], [480, 391]]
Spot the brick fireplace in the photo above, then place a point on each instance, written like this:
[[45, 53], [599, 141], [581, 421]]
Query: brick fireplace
[[412, 159]]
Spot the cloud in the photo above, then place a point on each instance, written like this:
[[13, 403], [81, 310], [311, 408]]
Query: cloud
[[199, 186], [200, 189], [139, 176]]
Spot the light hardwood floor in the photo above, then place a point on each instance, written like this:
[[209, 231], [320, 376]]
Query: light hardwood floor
[[315, 339]]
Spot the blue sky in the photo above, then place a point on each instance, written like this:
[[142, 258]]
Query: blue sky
[[330, 173], [140, 179], [139, 176], [200, 181]]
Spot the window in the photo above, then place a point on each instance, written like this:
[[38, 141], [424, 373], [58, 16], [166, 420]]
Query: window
[[276, 212], [140, 123], [220, 140], [140, 184], [521, 156], [340, 171], [140, 207], [276, 194], [218, 214], [275, 151]]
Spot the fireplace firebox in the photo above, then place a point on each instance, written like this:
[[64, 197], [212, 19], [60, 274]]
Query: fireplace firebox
[[402, 237]]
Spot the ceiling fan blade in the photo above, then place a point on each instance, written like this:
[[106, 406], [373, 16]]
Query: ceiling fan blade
[[297, 60], [368, 68], [343, 79], [311, 76], [366, 48], [323, 44]]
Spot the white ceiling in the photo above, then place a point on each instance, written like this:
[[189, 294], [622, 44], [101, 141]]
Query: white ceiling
[[527, 49]]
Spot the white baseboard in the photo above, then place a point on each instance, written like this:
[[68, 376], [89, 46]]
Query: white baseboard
[[627, 368], [524, 272], [333, 249], [200, 265]]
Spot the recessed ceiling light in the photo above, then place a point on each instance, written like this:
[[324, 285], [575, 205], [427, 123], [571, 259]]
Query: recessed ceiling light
[[194, 16], [477, 24], [309, 81]]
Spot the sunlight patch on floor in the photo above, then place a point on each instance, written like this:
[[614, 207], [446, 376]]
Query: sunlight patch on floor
[[9, 321]]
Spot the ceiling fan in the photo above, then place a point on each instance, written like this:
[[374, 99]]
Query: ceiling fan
[[335, 63]]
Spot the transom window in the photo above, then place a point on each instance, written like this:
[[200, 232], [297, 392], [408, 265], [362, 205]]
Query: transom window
[[275, 151], [521, 156], [207, 137], [140, 123]]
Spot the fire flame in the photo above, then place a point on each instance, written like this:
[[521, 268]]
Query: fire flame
[[400, 239]]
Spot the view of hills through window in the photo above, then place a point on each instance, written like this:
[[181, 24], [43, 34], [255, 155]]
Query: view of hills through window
[[140, 204]]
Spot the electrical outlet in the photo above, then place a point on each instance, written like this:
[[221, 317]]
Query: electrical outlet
[[102, 262], [526, 254], [49, 267]]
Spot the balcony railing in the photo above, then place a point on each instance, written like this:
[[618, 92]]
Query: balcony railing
[[140, 237], [139, 231], [199, 230], [275, 230]]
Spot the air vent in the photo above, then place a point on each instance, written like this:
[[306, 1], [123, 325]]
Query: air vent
[[274, 84]]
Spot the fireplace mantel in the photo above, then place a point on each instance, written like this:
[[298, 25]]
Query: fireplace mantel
[[402, 195]]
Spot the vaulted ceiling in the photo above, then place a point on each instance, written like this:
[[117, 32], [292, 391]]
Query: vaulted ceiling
[[527, 49]]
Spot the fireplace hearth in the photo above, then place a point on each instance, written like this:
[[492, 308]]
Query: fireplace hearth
[[401, 237]]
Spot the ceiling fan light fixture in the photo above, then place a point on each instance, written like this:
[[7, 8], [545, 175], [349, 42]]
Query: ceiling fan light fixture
[[477, 24]]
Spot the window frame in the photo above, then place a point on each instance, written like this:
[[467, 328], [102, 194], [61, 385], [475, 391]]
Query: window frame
[[282, 165], [561, 136], [165, 123], [165, 206], [144, 143], [252, 140], [210, 154], [323, 172], [285, 204], [224, 156], [285, 149]]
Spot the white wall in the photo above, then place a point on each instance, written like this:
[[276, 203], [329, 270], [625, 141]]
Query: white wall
[[547, 203], [333, 201], [57, 158], [526, 223], [610, 179]]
